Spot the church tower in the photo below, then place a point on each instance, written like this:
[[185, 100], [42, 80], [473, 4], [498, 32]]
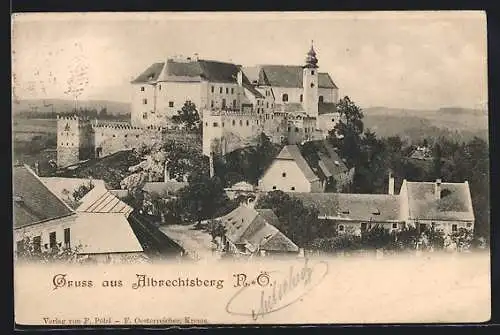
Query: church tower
[[310, 83]]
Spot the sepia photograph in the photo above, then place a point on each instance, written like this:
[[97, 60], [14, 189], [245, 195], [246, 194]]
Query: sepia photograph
[[196, 168]]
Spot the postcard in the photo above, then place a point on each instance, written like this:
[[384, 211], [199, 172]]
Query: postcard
[[213, 168]]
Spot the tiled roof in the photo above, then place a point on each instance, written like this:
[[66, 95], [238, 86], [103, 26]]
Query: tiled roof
[[163, 188], [213, 71], [323, 157], [290, 76], [351, 206], [33, 200], [246, 225], [60, 185], [327, 108], [150, 74], [292, 152], [102, 201], [454, 203], [100, 233]]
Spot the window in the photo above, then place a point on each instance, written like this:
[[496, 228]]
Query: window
[[241, 122], [469, 225], [285, 97], [215, 124], [159, 87], [312, 72], [288, 129], [52, 240], [212, 88], [136, 136], [312, 84], [144, 101], [454, 227], [37, 243], [296, 129], [293, 188], [222, 124], [212, 104], [267, 104], [227, 90], [341, 227], [333, 120], [248, 123], [144, 115], [170, 104], [125, 135], [274, 187], [320, 98], [234, 103], [301, 97], [283, 174], [206, 124], [223, 103], [363, 226], [394, 226], [67, 238], [234, 122], [220, 90], [278, 129], [142, 88], [232, 90]]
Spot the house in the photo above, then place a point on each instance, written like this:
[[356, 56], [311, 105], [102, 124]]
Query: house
[[422, 205], [242, 190], [249, 231], [313, 167], [38, 212], [441, 205], [355, 213], [290, 172], [102, 229]]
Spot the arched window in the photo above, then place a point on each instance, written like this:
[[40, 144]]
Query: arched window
[[301, 97], [320, 98], [285, 97], [312, 84]]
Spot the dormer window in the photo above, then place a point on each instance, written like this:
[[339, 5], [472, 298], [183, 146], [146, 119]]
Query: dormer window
[[345, 211]]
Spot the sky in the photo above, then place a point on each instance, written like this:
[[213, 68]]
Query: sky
[[421, 60]]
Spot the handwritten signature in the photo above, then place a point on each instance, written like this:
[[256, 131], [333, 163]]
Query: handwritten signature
[[282, 290]]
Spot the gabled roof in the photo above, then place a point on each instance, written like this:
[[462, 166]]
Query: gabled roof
[[101, 233], [191, 71], [103, 201], [61, 185], [246, 225], [290, 76], [454, 204], [33, 200], [352, 206], [150, 74], [292, 152], [322, 157]]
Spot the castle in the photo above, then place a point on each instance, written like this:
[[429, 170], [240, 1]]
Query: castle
[[290, 104]]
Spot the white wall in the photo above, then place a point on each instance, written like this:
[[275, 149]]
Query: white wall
[[44, 229], [294, 177], [329, 94], [293, 94]]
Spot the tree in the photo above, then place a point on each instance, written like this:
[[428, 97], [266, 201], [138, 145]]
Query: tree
[[377, 237], [347, 133], [201, 199], [188, 116], [82, 190], [462, 238], [30, 252], [297, 221]]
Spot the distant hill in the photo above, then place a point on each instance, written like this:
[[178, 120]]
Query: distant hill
[[416, 124], [62, 105]]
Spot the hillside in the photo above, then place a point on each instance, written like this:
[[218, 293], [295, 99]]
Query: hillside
[[61, 105], [414, 124]]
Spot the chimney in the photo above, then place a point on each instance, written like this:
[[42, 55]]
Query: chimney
[[240, 78], [196, 58], [391, 184], [437, 189], [37, 168]]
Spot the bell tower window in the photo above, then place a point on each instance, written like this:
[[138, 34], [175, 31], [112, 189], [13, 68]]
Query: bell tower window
[[285, 97], [312, 72], [312, 84]]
